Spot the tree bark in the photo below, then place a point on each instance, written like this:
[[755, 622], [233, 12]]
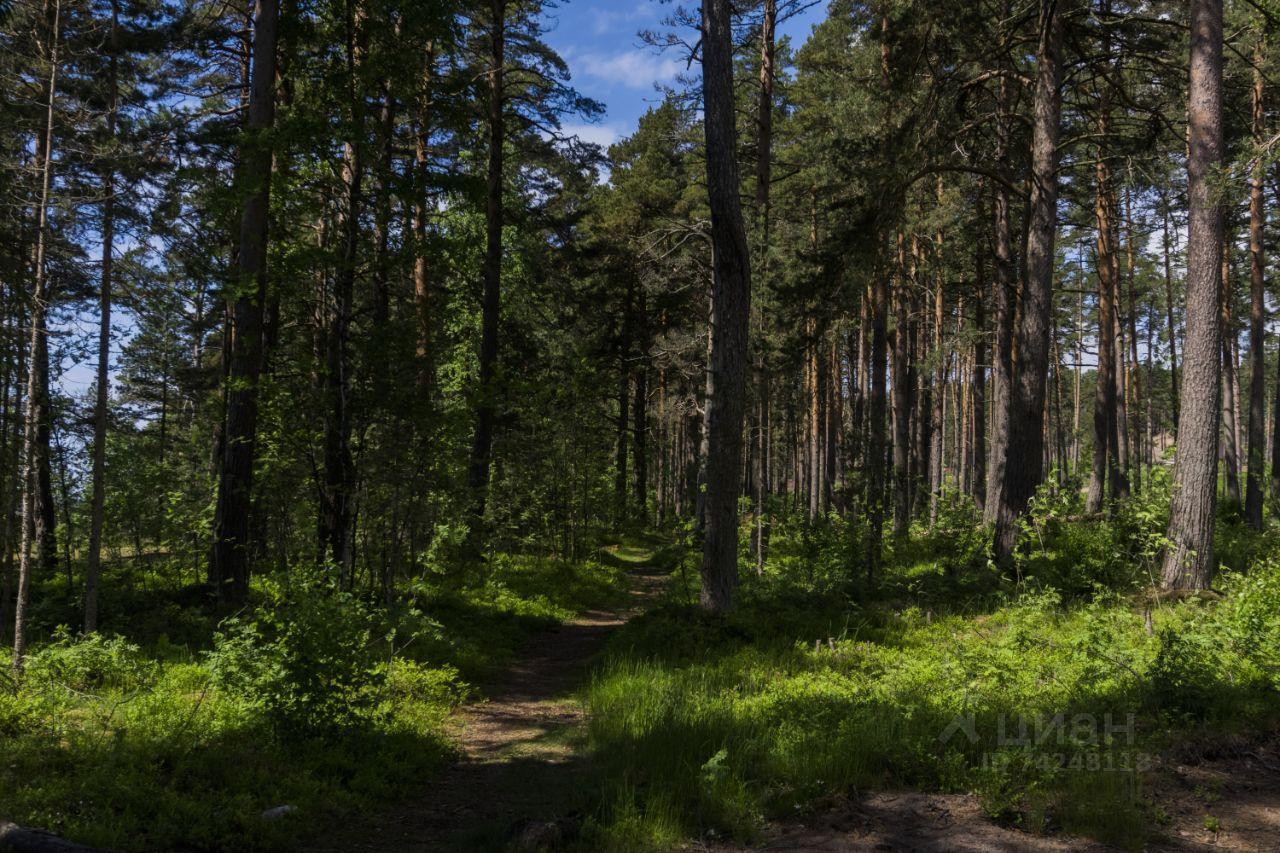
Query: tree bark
[[491, 275], [93, 559], [731, 308], [1132, 385], [1024, 454], [1189, 559], [1104, 469], [337, 515], [901, 400], [1170, 326], [1257, 309], [1005, 299], [876, 438], [1230, 420], [421, 202], [229, 569], [640, 409], [978, 432], [35, 452]]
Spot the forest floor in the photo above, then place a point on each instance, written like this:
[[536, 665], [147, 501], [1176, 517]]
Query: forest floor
[[521, 776], [522, 780]]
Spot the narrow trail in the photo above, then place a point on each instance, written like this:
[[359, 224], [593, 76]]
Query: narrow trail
[[521, 773]]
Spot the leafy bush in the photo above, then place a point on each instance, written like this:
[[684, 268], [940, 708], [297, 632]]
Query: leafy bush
[[307, 658], [89, 663], [1185, 674], [1251, 616]]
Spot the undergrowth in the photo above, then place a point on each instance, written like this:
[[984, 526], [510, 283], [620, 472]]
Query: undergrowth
[[1046, 690], [313, 698]]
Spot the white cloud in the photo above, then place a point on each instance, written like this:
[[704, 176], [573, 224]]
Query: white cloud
[[636, 69], [611, 21], [601, 134]]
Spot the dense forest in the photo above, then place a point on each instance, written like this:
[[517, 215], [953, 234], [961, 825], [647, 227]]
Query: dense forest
[[879, 445]]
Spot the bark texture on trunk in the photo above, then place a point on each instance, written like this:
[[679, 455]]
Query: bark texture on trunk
[[1106, 472], [1189, 559], [731, 307], [491, 275], [1024, 454], [35, 440], [1257, 311], [229, 567], [1004, 296], [338, 495], [1230, 391], [93, 561]]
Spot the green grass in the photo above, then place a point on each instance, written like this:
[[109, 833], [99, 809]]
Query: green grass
[[705, 726], [163, 738]]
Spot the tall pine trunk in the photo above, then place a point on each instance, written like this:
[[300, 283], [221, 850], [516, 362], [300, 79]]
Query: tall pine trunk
[[422, 305], [337, 506], [731, 305], [1105, 471], [491, 276], [98, 475], [1004, 297], [1230, 392], [35, 451], [1024, 453], [229, 568], [1170, 326], [1257, 310], [1189, 559]]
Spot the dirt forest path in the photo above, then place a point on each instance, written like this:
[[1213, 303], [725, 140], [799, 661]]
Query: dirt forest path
[[520, 780], [522, 783]]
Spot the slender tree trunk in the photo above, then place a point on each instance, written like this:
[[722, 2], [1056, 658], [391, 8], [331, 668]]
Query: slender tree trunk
[[1230, 420], [491, 275], [876, 439], [421, 205], [979, 431], [230, 564], [1079, 370], [1189, 558], [98, 476], [337, 518], [938, 415], [731, 308], [382, 218], [624, 411], [10, 453], [1005, 298], [1171, 327], [640, 409], [1122, 398], [1023, 469], [764, 177], [35, 453], [1133, 387], [901, 399], [1106, 473], [1257, 309], [1275, 443]]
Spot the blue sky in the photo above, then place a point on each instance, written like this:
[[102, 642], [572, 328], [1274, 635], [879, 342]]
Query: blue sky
[[597, 38]]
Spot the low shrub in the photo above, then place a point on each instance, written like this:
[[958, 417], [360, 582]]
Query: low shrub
[[306, 657]]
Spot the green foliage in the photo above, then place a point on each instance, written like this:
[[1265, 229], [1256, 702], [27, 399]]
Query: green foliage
[[1048, 705], [306, 658], [313, 698], [90, 663]]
